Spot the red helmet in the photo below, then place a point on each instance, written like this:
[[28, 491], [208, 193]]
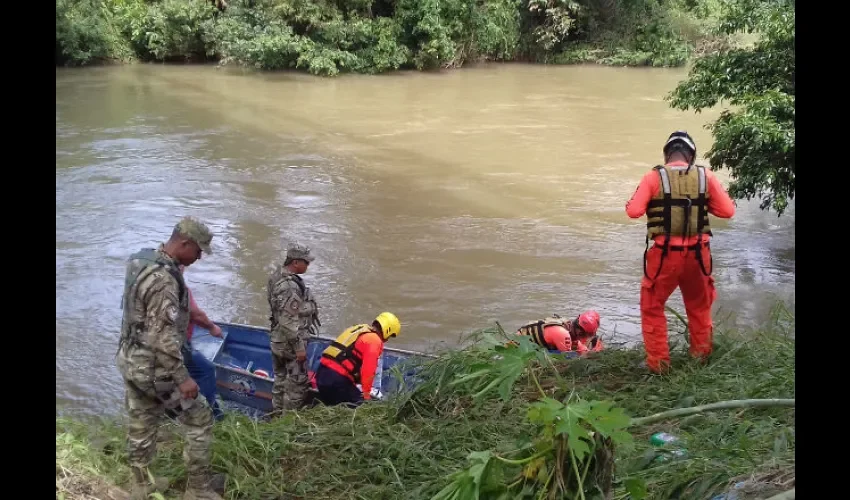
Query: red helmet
[[589, 322]]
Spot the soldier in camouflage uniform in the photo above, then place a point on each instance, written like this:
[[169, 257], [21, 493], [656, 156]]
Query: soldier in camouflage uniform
[[151, 357], [293, 315]]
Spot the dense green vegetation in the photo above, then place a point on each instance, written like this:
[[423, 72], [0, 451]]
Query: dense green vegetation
[[756, 141], [493, 422], [326, 37]]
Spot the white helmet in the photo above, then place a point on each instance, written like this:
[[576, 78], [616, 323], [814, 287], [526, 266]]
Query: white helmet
[[682, 138]]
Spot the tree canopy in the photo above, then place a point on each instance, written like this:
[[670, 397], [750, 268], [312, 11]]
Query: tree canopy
[[755, 139]]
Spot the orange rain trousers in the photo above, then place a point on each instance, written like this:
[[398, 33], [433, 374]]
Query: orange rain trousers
[[680, 269]]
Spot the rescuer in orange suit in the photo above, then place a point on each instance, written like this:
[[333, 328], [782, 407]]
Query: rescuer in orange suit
[[677, 198], [564, 335], [352, 360]]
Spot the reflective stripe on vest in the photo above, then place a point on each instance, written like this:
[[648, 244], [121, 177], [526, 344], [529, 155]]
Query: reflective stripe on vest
[[535, 330], [681, 199], [678, 193]]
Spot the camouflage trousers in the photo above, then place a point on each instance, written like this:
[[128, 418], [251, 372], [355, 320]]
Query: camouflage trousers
[[291, 383], [146, 413]]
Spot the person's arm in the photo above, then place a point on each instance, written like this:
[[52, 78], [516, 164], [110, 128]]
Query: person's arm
[[159, 294], [594, 342], [286, 306], [597, 345], [639, 201], [559, 337], [580, 347], [371, 347], [720, 204], [199, 317]]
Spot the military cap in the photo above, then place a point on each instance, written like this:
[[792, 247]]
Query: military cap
[[299, 251], [197, 231]]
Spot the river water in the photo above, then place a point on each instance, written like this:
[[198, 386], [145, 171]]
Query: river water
[[494, 192]]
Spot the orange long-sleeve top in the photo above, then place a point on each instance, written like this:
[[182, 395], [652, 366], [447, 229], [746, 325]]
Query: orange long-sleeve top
[[369, 347], [559, 337], [719, 202]]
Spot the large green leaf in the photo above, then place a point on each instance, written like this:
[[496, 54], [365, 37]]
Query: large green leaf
[[636, 488], [482, 479], [501, 374]]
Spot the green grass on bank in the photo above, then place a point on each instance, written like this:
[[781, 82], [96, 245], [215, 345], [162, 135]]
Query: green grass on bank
[[409, 446]]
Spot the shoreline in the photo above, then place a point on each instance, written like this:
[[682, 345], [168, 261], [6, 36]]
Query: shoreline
[[413, 445]]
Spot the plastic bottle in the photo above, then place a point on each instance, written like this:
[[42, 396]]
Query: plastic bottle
[[663, 440], [670, 455]]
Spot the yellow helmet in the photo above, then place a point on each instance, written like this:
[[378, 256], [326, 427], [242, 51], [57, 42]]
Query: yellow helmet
[[390, 324]]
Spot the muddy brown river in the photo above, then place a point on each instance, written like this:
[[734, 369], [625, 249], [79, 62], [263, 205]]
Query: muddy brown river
[[494, 192]]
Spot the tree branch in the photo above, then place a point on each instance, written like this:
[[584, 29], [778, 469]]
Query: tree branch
[[722, 405]]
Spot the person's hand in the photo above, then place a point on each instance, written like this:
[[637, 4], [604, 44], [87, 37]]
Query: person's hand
[[301, 356], [215, 331], [188, 389]]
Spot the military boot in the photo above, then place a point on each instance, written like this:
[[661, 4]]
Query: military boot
[[217, 482], [142, 485], [205, 487]]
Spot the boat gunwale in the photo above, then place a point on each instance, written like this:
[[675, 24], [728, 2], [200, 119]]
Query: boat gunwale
[[331, 339]]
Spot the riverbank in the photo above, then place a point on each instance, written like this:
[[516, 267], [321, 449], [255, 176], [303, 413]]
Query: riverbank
[[418, 444], [375, 36]]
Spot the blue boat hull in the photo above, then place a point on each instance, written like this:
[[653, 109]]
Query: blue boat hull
[[244, 349]]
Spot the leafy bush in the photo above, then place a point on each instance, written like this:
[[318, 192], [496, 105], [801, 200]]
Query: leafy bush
[[86, 32], [756, 142], [327, 37], [175, 29]]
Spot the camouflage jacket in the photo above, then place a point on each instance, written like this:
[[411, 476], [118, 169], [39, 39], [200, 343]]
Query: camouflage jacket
[[293, 308], [156, 316]]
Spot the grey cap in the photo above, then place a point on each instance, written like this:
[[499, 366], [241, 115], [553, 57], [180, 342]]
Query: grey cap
[[197, 231], [299, 251]]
